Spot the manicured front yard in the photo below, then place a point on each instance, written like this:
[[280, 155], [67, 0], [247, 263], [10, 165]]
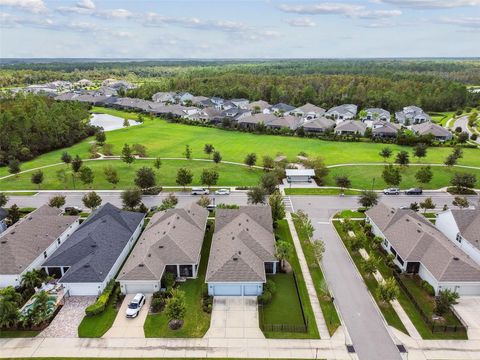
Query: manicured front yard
[[18, 333], [351, 214], [196, 321], [97, 325], [283, 233], [326, 304]]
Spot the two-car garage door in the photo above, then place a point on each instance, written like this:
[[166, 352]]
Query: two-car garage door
[[134, 288], [235, 289]]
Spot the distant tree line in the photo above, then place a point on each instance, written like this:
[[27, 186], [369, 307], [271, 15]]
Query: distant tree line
[[31, 125]]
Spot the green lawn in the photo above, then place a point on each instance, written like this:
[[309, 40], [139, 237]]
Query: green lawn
[[166, 139], [196, 322], [18, 333], [26, 193], [361, 176], [285, 297], [328, 308], [97, 325], [166, 175], [350, 214], [441, 118], [318, 191], [387, 310], [283, 233]]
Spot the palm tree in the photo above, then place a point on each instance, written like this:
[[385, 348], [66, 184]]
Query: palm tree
[[9, 302], [31, 279], [283, 251]]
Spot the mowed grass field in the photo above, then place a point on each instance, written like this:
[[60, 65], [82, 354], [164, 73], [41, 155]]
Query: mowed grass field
[[165, 139], [166, 175]]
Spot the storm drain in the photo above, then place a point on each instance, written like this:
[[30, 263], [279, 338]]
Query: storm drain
[[350, 349]]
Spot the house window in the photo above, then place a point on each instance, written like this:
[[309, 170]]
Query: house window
[[459, 238], [399, 259], [392, 250], [44, 254], [269, 267]]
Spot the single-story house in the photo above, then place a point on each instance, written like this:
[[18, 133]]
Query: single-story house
[[255, 119], [242, 251], [240, 103], [25, 245], [198, 100], [164, 97], [3, 219], [309, 111], [429, 128], [376, 114], [259, 105], [286, 121], [172, 242], [281, 108], [319, 124], [420, 248], [300, 175], [183, 97], [462, 227], [351, 127], [93, 254], [342, 112], [384, 129], [412, 115]]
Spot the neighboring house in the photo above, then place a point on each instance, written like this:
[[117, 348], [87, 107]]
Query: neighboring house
[[384, 129], [164, 97], [172, 242], [84, 83], [462, 227], [198, 100], [235, 113], [429, 128], [300, 175], [287, 121], [412, 115], [319, 124], [242, 251], [280, 108], [259, 105], [351, 127], [342, 112], [376, 114], [255, 119], [3, 219], [240, 103], [309, 112], [217, 102], [183, 97], [26, 244], [93, 254], [420, 248]]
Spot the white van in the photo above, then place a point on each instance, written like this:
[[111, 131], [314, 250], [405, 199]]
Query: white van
[[200, 191]]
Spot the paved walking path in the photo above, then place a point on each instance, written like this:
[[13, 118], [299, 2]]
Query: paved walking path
[[312, 294]]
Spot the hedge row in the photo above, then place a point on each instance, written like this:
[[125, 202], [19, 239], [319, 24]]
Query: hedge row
[[99, 306]]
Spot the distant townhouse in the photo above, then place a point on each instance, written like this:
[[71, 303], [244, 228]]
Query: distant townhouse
[[93, 254], [309, 112], [242, 252], [351, 127], [462, 227], [342, 112], [376, 114], [25, 245], [412, 115], [171, 243], [384, 129], [318, 125], [429, 128], [420, 248]]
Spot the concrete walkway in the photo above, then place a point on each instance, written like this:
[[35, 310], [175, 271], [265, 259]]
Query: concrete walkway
[[124, 327], [234, 317], [312, 294], [468, 308], [175, 348]]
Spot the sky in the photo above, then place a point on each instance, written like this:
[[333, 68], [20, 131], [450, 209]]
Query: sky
[[239, 29]]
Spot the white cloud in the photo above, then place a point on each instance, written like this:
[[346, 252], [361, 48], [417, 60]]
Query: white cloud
[[114, 13], [431, 4], [321, 9], [376, 14], [468, 22], [35, 6], [86, 4], [301, 22], [154, 20]]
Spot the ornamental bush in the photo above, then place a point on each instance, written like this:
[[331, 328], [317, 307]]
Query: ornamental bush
[[99, 306]]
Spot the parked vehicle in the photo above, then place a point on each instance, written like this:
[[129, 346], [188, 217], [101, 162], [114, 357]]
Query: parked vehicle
[[414, 191], [200, 191], [135, 306], [211, 207], [73, 209], [222, 192], [391, 191]]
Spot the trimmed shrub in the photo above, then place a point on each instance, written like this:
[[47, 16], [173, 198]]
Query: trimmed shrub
[[428, 288], [99, 306], [158, 304], [270, 286], [265, 298]]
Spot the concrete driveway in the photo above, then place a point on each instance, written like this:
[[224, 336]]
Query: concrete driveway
[[68, 318], [124, 327], [468, 308], [234, 317]]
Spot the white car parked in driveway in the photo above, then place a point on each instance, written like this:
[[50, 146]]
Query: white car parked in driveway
[[222, 192], [135, 306]]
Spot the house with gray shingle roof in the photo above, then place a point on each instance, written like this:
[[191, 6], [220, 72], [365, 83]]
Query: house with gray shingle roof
[[25, 245], [376, 114], [280, 108], [342, 112], [462, 227], [420, 248], [384, 129], [429, 128], [320, 124], [351, 127], [309, 111], [93, 254], [255, 119], [242, 251], [172, 242], [259, 105], [412, 115], [164, 97], [287, 121]]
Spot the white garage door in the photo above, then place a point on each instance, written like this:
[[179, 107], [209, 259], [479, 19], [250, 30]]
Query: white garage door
[[227, 290], [145, 288]]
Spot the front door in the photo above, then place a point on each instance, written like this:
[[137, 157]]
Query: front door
[[413, 267]]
